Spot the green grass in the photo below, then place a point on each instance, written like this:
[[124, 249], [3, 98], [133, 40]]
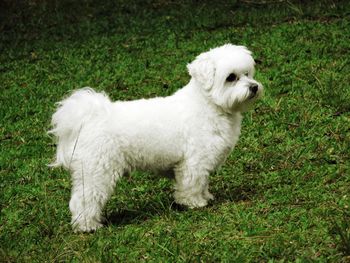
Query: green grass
[[283, 194]]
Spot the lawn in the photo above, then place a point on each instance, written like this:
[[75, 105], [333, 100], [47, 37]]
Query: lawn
[[283, 194]]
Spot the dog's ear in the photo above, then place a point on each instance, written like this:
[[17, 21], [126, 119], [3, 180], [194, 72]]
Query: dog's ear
[[202, 69]]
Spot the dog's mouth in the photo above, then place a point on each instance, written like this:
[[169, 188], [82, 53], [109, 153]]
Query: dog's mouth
[[253, 91], [251, 96]]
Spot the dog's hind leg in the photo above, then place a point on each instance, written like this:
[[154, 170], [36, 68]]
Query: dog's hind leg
[[93, 184], [88, 200]]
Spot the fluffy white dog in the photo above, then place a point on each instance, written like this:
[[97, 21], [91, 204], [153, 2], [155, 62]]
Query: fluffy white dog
[[190, 132]]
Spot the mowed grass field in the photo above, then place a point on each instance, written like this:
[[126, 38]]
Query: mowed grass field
[[283, 195]]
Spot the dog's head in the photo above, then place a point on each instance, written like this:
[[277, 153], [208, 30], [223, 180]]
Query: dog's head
[[225, 75]]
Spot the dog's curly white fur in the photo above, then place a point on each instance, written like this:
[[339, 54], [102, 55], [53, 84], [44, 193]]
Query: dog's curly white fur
[[190, 132]]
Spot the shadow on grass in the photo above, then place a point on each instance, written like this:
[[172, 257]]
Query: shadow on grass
[[154, 208], [138, 216], [125, 217]]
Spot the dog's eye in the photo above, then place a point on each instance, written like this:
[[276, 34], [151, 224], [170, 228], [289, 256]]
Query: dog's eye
[[231, 77]]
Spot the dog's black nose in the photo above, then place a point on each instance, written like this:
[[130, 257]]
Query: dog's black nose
[[254, 88]]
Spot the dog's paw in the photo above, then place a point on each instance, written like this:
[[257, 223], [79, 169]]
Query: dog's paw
[[208, 196], [86, 227], [191, 201]]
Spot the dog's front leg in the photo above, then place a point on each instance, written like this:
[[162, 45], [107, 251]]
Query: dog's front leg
[[206, 194], [191, 187]]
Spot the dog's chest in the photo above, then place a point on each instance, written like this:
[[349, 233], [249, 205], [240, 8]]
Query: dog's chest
[[225, 135], [218, 138]]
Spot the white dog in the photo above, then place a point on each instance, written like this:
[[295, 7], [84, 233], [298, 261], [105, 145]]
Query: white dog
[[190, 132]]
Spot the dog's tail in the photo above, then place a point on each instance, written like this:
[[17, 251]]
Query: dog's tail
[[81, 107]]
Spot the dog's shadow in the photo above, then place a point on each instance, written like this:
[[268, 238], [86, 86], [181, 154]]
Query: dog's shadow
[[242, 193], [153, 208], [144, 213], [124, 217]]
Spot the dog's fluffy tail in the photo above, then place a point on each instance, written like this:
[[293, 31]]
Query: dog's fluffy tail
[[81, 107]]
